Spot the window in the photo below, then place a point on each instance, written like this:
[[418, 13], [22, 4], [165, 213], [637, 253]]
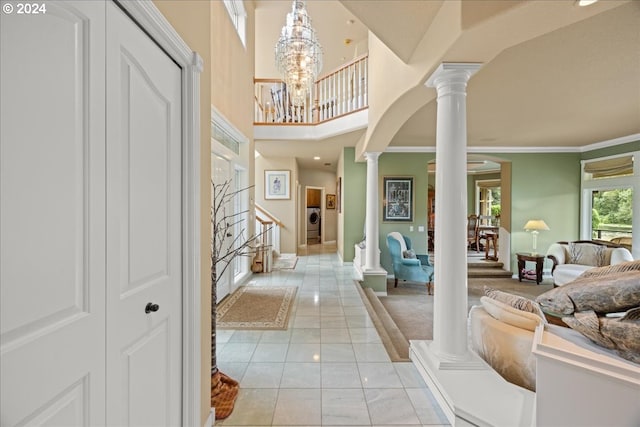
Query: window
[[238, 16], [488, 201], [609, 185]]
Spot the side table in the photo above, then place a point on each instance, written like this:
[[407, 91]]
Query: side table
[[523, 257]]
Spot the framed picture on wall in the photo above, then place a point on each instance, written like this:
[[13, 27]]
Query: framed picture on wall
[[331, 201], [397, 199], [277, 184], [339, 194]]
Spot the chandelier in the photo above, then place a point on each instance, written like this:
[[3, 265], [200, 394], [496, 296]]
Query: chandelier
[[298, 53]]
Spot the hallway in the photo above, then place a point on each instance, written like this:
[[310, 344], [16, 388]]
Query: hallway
[[329, 367]]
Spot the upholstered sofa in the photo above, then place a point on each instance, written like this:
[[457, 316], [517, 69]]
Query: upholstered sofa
[[571, 259], [501, 331], [502, 335]]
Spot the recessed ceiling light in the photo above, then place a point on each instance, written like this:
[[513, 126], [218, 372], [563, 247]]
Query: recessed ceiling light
[[586, 2], [316, 158]]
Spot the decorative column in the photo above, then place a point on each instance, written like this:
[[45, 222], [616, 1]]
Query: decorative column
[[372, 260], [450, 301]]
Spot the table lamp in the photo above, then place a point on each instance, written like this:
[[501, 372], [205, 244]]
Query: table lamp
[[535, 225]]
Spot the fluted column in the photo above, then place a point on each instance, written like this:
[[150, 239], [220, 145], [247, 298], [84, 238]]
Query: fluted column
[[450, 301], [372, 260]]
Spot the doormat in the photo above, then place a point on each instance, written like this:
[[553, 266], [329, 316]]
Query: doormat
[[285, 263], [256, 307]]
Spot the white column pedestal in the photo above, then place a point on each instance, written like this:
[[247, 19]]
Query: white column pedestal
[[476, 397], [372, 251]]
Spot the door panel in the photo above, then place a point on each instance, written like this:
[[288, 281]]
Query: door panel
[[144, 264], [52, 216]]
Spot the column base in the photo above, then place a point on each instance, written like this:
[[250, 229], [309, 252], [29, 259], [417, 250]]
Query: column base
[[470, 392], [375, 279]]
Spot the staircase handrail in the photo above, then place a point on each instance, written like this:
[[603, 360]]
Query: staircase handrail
[[340, 92], [269, 215]]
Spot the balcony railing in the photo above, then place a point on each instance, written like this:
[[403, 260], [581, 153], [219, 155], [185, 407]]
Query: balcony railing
[[339, 93]]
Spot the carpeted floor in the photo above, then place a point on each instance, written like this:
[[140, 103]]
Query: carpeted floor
[[411, 309]]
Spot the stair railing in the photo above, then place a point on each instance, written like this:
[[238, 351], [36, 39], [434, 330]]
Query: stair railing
[[340, 92], [268, 226]]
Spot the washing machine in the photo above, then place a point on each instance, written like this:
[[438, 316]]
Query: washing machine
[[313, 223]]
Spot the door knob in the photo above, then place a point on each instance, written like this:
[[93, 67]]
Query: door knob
[[151, 307]]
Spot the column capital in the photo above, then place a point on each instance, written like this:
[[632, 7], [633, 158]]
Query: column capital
[[372, 155], [452, 72]]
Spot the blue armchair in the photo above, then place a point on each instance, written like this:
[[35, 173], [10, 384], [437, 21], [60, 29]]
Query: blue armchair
[[417, 269]]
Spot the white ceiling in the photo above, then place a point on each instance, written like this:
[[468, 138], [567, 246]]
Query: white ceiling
[[571, 87]]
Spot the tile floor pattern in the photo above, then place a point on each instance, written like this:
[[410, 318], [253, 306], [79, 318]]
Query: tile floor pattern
[[329, 367]]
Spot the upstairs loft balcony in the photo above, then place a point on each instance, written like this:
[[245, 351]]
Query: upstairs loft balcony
[[339, 97]]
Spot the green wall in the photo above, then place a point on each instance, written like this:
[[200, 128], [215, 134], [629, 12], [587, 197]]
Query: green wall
[[402, 165], [544, 186], [612, 151], [353, 202]]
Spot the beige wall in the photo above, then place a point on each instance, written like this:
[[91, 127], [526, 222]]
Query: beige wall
[[233, 65], [232, 81], [284, 210], [191, 20]]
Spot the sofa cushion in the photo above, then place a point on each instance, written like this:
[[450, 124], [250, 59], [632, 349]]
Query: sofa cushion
[[509, 315], [515, 301], [566, 273], [610, 269], [587, 254]]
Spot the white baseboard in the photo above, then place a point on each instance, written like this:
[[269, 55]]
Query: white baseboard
[[329, 242]]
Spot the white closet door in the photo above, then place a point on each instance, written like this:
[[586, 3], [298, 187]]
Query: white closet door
[[144, 238], [52, 216]]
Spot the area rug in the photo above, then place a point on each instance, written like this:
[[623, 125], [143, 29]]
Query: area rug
[[256, 307], [285, 263]]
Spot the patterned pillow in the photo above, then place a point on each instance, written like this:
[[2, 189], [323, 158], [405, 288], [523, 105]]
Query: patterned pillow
[[587, 254], [409, 253], [515, 301]]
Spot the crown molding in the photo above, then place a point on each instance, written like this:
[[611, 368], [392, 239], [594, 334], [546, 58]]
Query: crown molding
[[595, 146]]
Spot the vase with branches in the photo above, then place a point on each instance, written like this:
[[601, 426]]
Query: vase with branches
[[225, 247]]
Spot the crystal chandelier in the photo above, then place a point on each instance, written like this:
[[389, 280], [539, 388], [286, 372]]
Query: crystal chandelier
[[298, 53]]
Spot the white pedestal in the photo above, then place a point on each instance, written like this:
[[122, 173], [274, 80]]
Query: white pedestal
[[580, 384], [358, 261]]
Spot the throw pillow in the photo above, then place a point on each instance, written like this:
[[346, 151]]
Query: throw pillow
[[509, 315], [515, 301], [587, 254], [409, 253], [611, 269]]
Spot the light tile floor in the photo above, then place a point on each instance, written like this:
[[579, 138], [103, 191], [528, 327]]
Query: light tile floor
[[329, 367]]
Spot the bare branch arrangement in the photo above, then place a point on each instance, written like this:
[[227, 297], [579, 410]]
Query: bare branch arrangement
[[225, 247]]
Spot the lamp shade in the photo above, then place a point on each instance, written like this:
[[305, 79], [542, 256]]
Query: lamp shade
[[536, 224]]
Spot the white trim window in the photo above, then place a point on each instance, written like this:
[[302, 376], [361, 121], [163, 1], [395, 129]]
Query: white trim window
[[606, 181], [238, 15]]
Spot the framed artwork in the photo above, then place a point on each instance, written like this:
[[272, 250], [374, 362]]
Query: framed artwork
[[398, 199], [277, 185], [339, 194], [331, 201]]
